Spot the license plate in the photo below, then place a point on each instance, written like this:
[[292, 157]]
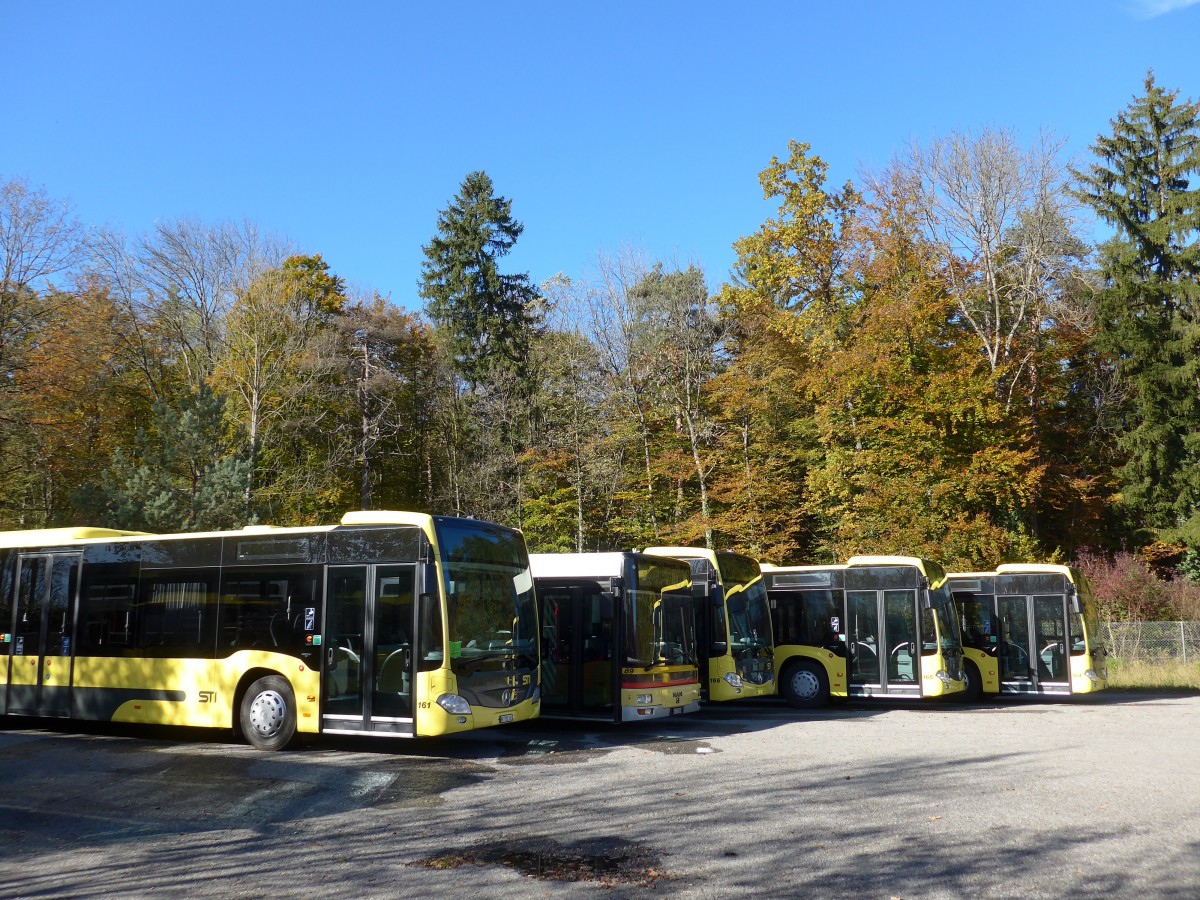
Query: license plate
[[505, 719], [678, 710]]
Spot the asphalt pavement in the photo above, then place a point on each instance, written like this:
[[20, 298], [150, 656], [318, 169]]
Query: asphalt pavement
[[1082, 798]]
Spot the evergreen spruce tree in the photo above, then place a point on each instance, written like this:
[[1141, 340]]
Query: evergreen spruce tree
[[1149, 307], [489, 323], [178, 479], [488, 318]]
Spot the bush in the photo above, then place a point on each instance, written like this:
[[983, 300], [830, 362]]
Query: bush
[[1127, 589]]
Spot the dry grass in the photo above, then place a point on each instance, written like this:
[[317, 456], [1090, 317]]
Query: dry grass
[[1153, 675]]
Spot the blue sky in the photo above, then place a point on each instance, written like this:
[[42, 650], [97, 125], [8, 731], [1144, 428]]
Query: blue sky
[[607, 125]]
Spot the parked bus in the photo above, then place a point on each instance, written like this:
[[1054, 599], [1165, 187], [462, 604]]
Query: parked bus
[[733, 623], [1029, 629], [618, 636], [878, 626], [387, 624]]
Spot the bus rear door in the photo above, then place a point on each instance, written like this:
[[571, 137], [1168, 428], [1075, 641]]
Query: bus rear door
[[42, 643]]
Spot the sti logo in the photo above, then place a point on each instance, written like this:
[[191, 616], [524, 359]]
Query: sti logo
[[208, 696]]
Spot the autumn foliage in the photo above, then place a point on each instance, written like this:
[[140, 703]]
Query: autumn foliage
[[930, 361]]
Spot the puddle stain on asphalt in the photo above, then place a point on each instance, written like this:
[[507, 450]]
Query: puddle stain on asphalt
[[607, 861]]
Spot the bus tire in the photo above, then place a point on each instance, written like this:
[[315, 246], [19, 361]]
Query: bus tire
[[267, 714], [973, 692], [805, 685]]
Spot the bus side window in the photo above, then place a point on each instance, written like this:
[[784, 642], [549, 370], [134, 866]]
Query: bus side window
[[106, 616], [1078, 645], [176, 613], [929, 637], [268, 610], [719, 643], [6, 601], [429, 654], [979, 629], [819, 613]]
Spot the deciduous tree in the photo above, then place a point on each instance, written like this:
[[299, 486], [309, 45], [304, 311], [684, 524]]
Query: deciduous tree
[[269, 332]]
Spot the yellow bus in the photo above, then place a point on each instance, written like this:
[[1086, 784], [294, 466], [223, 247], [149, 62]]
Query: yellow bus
[[878, 626], [618, 636], [1029, 629], [733, 623], [390, 623]]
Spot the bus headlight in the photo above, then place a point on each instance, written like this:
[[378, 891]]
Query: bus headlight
[[943, 676], [734, 679], [1091, 673], [644, 699], [454, 704], [536, 694]]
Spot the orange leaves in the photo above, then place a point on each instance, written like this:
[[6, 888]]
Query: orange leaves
[[918, 454]]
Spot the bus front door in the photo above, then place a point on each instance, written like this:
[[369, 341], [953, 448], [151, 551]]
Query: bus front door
[[559, 614], [1052, 662], [1016, 673], [370, 633], [42, 637], [882, 643], [862, 642], [577, 651], [1033, 650], [901, 639]]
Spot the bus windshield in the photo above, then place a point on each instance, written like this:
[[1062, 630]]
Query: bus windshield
[[949, 633], [749, 618], [746, 601], [675, 628], [664, 587], [489, 594]]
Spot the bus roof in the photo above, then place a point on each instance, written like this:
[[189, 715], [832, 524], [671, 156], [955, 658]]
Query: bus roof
[[1033, 567], [932, 571], [697, 553], [914, 561], [388, 517], [590, 565], [43, 536], [830, 566], [46, 537], [1072, 575], [683, 553]]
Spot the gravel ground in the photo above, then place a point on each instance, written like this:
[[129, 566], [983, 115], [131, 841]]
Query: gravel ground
[[1086, 798]]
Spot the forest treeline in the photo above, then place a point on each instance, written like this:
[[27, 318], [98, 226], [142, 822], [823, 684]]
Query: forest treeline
[[932, 360]]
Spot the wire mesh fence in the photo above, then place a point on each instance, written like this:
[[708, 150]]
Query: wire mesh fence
[[1152, 640]]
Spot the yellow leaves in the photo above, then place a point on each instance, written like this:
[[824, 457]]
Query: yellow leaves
[[789, 269]]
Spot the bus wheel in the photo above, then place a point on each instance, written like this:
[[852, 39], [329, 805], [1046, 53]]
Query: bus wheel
[[268, 713], [974, 689], [805, 686]]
